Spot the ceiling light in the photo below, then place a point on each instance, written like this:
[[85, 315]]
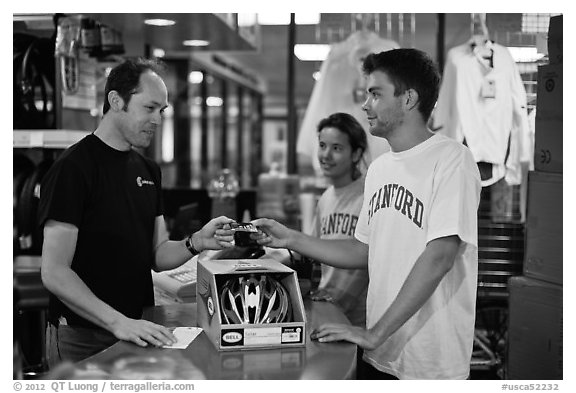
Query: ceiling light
[[195, 77], [266, 18], [158, 52], [311, 52], [196, 43], [32, 17], [247, 19], [160, 22], [214, 101]]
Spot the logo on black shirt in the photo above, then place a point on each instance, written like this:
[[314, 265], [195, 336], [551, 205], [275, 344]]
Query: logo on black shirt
[[141, 182]]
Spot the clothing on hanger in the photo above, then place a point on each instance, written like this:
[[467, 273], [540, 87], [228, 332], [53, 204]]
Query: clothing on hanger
[[484, 102], [341, 88]]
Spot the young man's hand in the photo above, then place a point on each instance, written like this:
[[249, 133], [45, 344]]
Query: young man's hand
[[331, 332], [272, 234]]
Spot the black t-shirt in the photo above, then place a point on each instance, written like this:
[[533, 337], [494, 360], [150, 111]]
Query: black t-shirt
[[113, 197]]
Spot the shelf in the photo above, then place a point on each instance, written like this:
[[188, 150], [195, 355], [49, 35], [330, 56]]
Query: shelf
[[51, 139]]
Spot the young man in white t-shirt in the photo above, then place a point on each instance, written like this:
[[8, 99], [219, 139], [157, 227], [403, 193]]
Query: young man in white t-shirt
[[417, 233]]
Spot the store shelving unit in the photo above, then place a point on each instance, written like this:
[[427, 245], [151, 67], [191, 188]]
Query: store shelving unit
[[48, 139]]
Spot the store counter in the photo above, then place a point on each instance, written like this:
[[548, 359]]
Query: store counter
[[201, 360]]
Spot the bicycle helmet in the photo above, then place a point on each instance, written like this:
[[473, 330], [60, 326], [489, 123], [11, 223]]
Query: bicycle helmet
[[251, 299]]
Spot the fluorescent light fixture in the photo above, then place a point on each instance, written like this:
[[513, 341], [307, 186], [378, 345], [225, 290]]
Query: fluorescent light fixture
[[195, 77], [214, 101], [245, 20], [160, 22], [525, 54], [32, 17], [158, 52], [196, 43], [267, 18], [311, 52]]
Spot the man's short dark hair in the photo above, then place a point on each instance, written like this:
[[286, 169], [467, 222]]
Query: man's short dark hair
[[125, 78], [408, 69]]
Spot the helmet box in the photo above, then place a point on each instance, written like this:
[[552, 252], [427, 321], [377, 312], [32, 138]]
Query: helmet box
[[250, 304]]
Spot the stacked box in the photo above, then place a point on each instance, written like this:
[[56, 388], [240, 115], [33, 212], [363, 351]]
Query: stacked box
[[555, 39], [535, 303], [543, 253], [535, 339], [210, 278], [548, 155]]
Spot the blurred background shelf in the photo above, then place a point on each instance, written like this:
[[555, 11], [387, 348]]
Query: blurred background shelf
[[51, 139]]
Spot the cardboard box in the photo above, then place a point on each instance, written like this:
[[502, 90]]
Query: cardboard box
[[543, 254], [555, 39], [549, 98], [534, 330], [211, 276], [548, 146]]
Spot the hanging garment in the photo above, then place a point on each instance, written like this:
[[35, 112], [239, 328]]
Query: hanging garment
[[341, 88], [482, 102]]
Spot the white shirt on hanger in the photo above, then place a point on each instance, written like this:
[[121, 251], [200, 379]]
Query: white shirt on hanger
[[341, 88], [484, 102]]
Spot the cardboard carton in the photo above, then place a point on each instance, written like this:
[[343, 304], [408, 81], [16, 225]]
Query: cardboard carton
[[211, 276], [548, 146], [535, 339], [555, 40], [549, 97], [543, 255]]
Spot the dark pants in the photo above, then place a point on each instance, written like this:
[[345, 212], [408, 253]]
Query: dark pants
[[67, 343], [366, 371]]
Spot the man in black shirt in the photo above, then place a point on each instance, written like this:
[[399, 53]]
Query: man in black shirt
[[102, 212]]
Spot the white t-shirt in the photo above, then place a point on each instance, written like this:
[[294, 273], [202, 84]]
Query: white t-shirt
[[336, 218], [411, 198]]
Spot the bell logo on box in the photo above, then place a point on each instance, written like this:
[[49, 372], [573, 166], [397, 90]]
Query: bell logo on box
[[232, 337]]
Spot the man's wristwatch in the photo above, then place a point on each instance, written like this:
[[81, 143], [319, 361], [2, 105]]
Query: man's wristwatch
[[190, 246]]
